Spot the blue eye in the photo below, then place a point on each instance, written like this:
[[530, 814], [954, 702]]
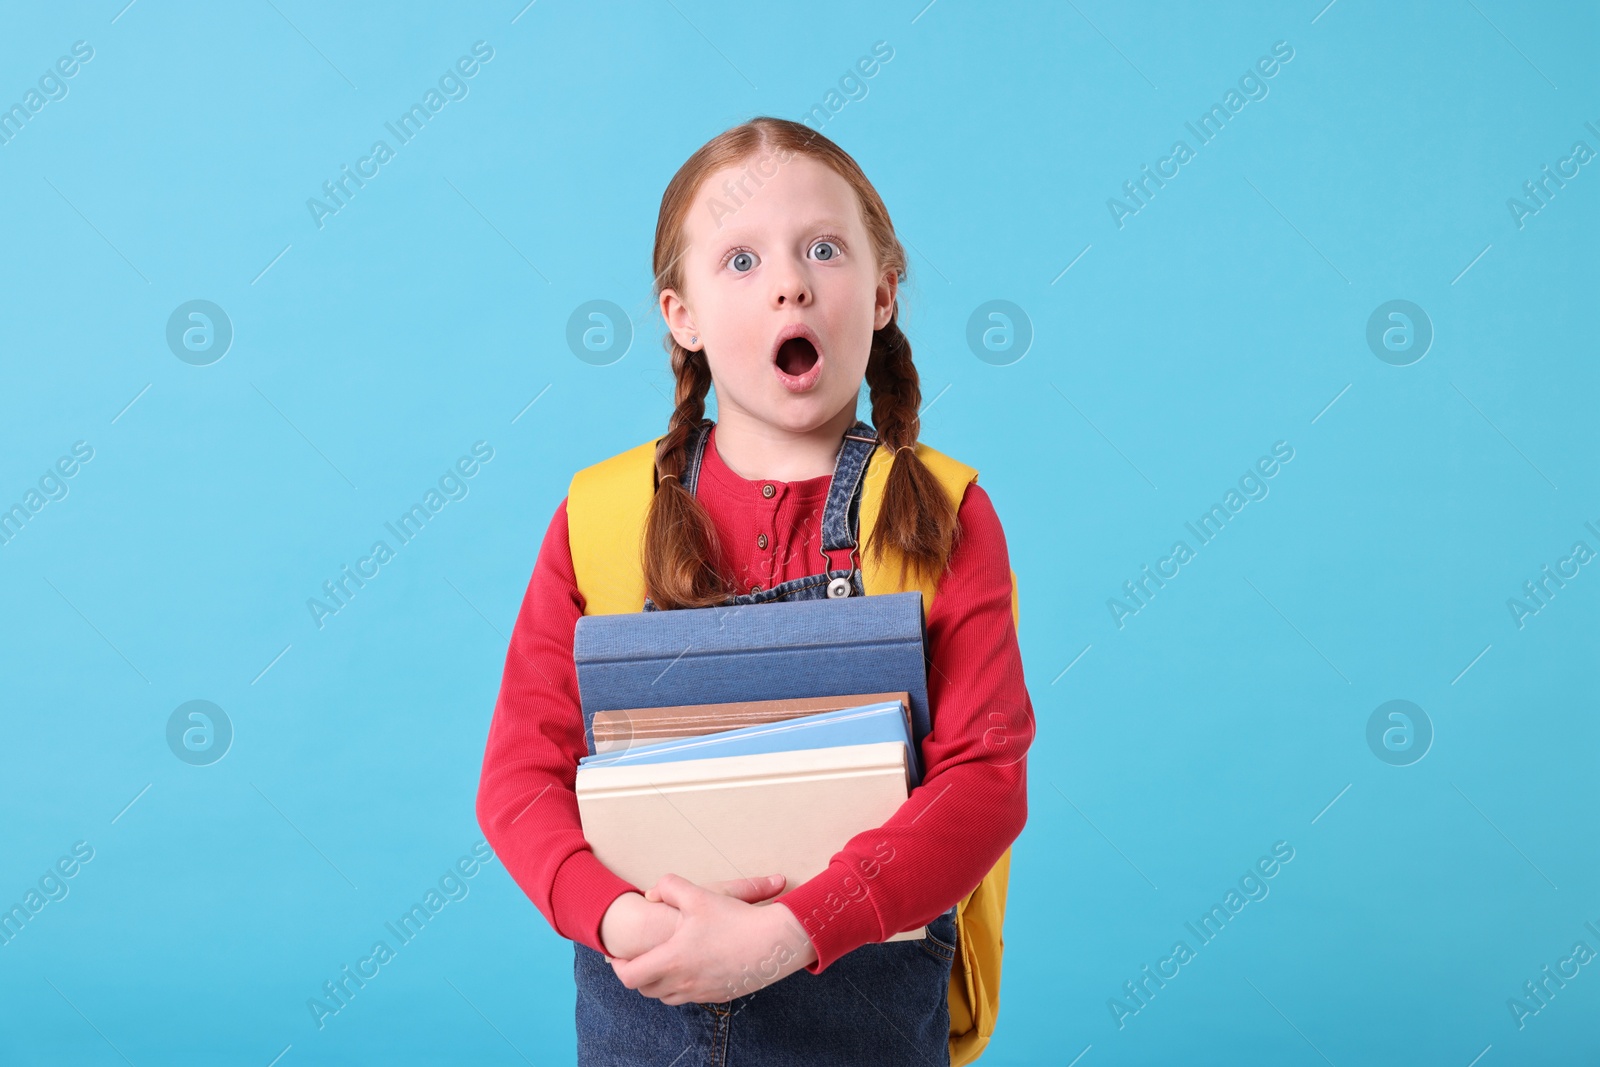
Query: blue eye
[[743, 262], [829, 249]]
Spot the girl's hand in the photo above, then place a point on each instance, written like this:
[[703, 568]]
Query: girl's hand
[[722, 948], [634, 925]]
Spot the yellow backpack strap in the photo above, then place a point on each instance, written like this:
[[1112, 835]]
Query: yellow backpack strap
[[606, 508]]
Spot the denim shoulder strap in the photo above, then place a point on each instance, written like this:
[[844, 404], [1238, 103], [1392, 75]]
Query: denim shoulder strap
[[842, 514]]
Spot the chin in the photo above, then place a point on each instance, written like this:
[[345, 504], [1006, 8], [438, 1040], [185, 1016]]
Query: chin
[[800, 414], [820, 409]]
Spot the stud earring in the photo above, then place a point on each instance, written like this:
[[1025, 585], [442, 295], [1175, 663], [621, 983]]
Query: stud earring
[[694, 340]]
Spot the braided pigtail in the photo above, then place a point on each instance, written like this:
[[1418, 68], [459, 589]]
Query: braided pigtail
[[917, 516], [680, 546]]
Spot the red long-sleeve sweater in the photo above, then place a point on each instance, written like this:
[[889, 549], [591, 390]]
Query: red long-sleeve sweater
[[935, 849]]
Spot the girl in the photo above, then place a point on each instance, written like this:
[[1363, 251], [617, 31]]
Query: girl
[[777, 273]]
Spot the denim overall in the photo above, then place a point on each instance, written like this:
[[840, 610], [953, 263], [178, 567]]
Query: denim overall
[[882, 1003]]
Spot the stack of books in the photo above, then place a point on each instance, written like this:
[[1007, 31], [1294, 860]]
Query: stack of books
[[740, 742]]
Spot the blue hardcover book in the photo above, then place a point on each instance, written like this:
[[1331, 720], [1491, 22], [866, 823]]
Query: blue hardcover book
[[869, 723], [783, 650]]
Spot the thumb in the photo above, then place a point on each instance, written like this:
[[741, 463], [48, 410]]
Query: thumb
[[750, 890]]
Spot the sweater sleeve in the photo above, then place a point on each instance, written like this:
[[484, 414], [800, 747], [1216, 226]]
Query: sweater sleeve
[[526, 804], [973, 799]]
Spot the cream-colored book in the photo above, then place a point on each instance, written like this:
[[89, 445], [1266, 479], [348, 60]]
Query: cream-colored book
[[742, 816]]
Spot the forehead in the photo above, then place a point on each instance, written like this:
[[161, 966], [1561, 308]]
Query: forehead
[[764, 197]]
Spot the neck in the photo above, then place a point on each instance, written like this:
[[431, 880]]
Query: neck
[[756, 450]]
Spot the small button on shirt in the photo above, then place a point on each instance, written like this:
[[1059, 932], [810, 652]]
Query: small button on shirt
[[783, 520]]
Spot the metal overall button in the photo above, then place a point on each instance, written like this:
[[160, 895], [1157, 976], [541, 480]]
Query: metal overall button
[[839, 587]]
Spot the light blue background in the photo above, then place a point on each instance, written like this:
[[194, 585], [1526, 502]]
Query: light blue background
[[1228, 314]]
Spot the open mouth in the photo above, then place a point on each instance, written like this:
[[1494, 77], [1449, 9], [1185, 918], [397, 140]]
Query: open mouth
[[796, 356]]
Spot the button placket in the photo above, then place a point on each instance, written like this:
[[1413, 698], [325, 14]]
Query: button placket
[[772, 501]]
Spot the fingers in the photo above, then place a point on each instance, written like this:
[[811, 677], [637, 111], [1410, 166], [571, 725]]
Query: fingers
[[648, 968], [665, 984], [669, 989], [678, 891], [651, 981]]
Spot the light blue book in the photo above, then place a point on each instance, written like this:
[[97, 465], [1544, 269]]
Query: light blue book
[[867, 724]]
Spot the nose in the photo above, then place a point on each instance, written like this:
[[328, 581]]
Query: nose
[[790, 288]]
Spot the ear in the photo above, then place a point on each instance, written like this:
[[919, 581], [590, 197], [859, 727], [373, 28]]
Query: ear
[[883, 299], [679, 319]]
